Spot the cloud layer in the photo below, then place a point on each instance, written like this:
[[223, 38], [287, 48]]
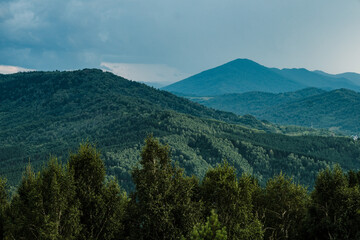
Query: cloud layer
[[188, 35], [13, 69], [158, 74]]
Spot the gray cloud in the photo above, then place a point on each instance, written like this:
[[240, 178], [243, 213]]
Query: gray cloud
[[188, 35]]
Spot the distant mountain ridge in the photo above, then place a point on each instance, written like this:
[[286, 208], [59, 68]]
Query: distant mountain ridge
[[244, 75], [353, 77], [313, 79], [337, 110]]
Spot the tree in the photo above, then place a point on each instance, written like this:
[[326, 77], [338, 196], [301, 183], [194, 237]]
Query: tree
[[45, 206], [60, 206], [26, 219], [334, 211], [162, 206], [231, 198], [101, 204], [211, 230], [282, 208], [3, 206]]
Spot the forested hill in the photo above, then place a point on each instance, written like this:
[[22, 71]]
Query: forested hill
[[57, 93], [338, 110], [46, 113]]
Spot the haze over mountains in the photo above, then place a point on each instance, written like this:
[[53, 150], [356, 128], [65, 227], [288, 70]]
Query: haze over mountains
[[243, 75], [285, 96], [46, 113]]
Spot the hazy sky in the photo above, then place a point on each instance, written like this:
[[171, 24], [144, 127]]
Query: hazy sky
[[183, 36]]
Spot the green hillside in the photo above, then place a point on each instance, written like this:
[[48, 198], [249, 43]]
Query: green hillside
[[337, 110], [253, 102], [46, 113]]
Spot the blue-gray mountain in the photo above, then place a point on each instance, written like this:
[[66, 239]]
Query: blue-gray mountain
[[353, 77], [243, 75]]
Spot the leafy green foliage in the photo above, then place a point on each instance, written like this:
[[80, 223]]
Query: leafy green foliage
[[166, 204], [3, 206], [231, 198], [45, 206], [27, 218], [334, 210], [162, 206], [282, 208], [210, 230], [59, 202], [101, 204]]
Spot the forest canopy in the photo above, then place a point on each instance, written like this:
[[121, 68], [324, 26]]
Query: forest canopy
[[77, 200]]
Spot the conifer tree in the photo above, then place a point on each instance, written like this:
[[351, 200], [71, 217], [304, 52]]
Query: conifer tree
[[26, 220], [162, 205], [231, 198], [60, 206]]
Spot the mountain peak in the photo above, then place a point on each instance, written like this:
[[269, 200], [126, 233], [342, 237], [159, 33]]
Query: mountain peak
[[243, 62], [237, 76]]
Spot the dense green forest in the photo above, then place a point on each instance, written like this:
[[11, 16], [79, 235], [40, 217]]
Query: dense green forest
[[337, 110], [76, 200], [45, 113]]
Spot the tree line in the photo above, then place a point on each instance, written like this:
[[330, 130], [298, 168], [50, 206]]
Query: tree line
[[77, 200]]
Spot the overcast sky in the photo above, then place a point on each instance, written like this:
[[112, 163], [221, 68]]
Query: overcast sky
[[183, 36]]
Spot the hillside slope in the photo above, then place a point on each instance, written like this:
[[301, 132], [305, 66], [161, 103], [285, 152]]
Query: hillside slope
[[338, 110], [46, 113]]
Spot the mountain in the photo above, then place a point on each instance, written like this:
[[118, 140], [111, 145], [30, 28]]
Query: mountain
[[238, 76], [313, 79], [353, 77], [338, 110], [243, 75], [50, 113]]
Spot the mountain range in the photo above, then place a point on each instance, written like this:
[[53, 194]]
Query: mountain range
[[244, 75], [353, 77], [50, 113]]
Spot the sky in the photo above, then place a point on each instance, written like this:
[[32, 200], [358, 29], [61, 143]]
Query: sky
[[167, 40]]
